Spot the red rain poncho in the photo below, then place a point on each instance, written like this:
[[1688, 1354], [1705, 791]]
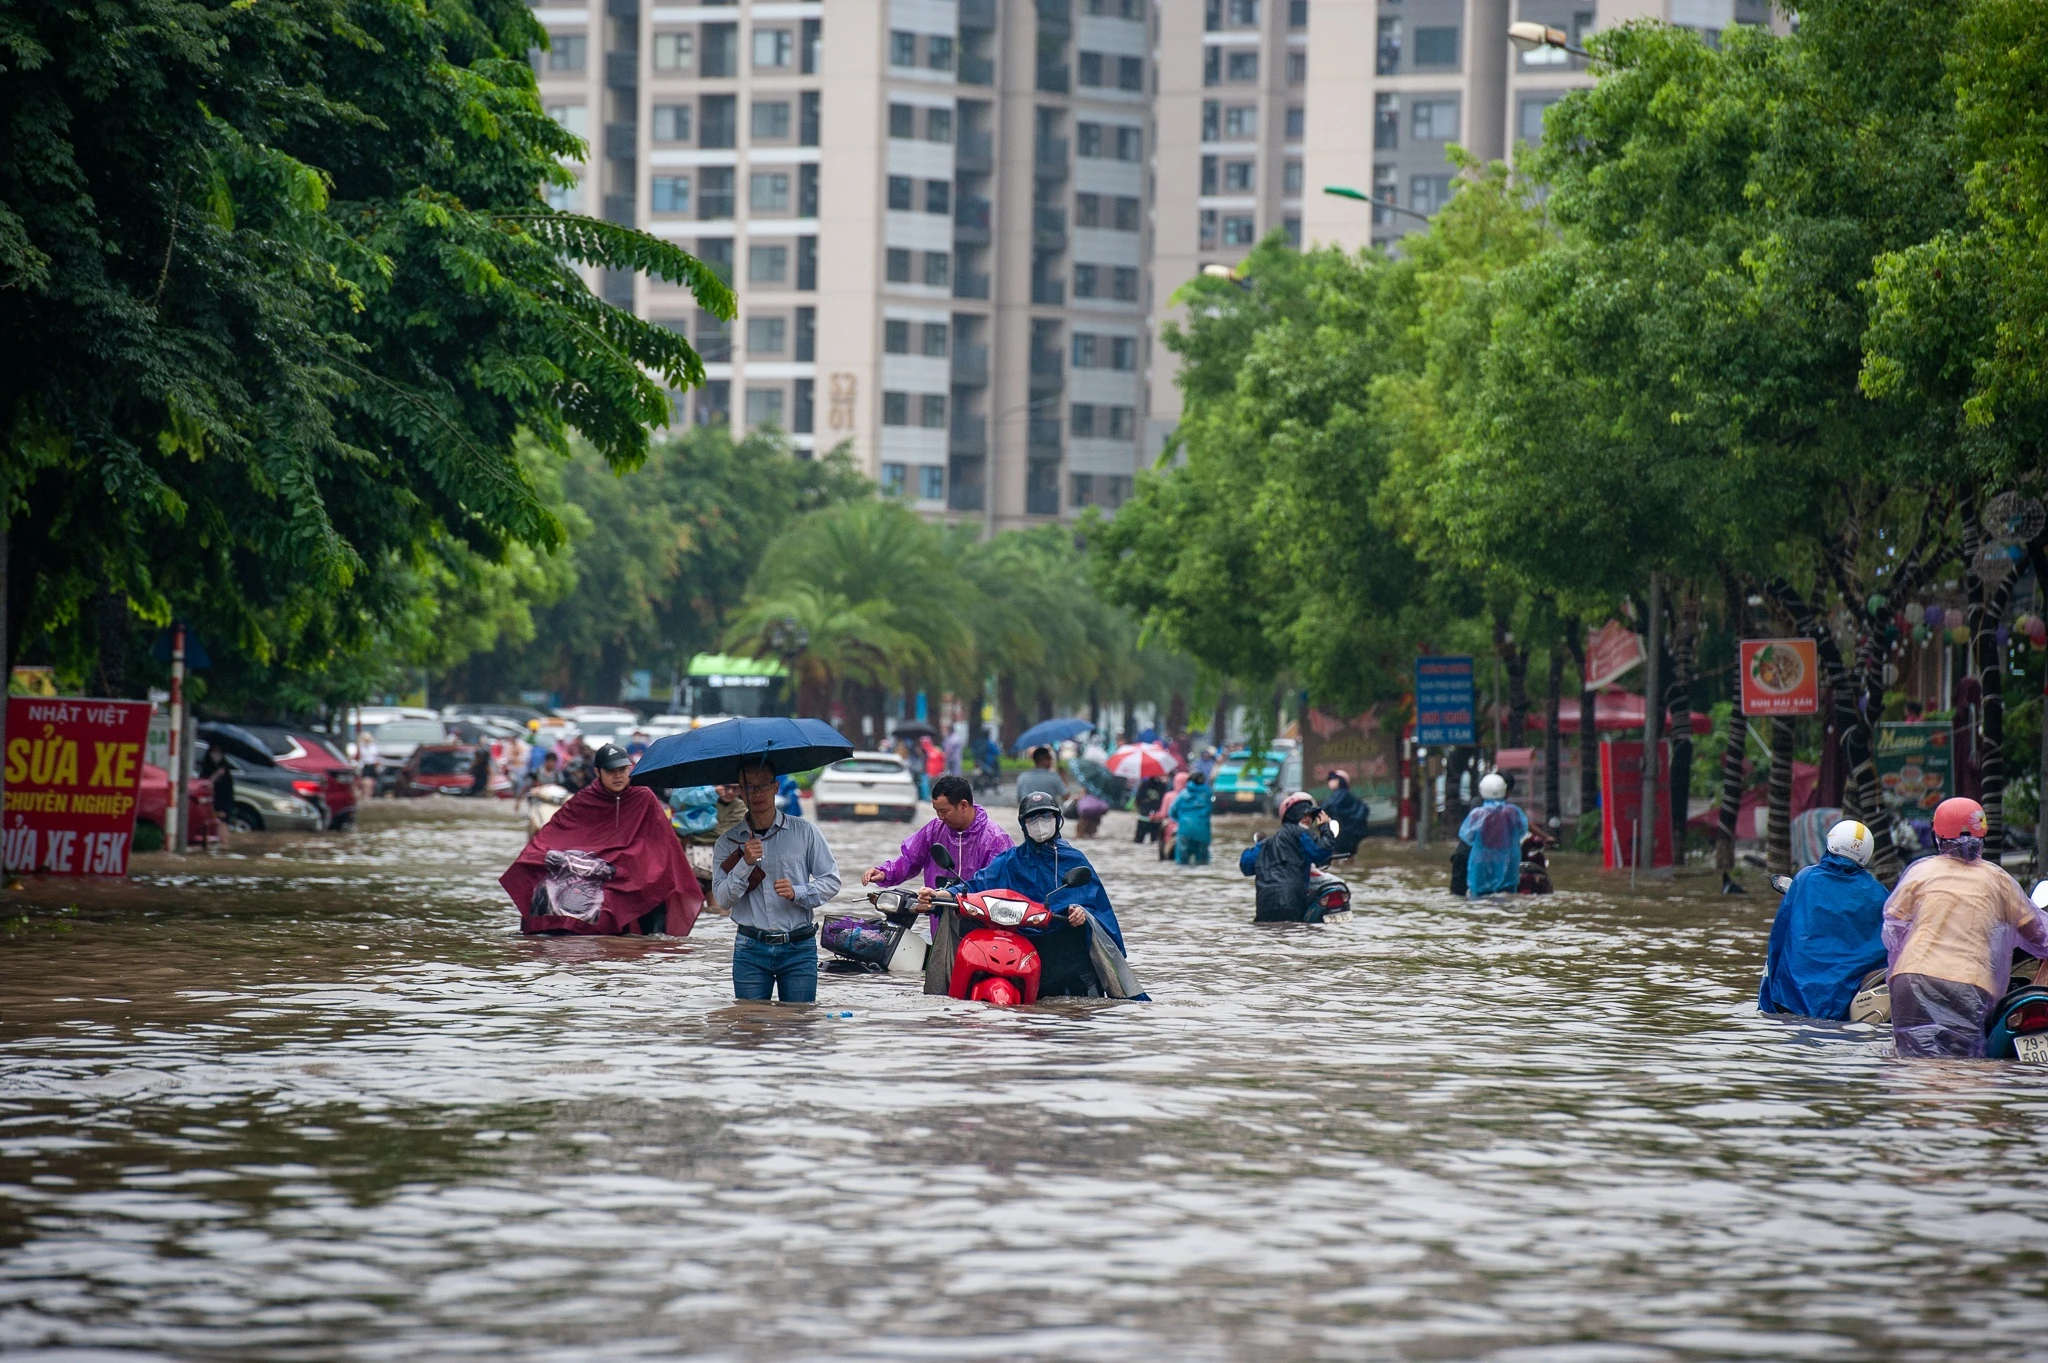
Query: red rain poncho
[[631, 833]]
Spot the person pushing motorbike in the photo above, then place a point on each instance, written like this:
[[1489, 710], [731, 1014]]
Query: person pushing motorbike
[[1281, 864], [1829, 931], [1084, 926]]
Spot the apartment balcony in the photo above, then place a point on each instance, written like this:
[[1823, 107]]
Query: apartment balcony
[[969, 435], [968, 284], [970, 367], [1050, 157], [971, 221], [976, 70], [979, 14], [1055, 16], [621, 141], [622, 71], [976, 152], [1055, 78], [1049, 293], [1044, 435], [1047, 375], [1049, 230]]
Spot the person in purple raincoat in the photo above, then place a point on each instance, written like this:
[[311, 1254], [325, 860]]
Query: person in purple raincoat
[[962, 827]]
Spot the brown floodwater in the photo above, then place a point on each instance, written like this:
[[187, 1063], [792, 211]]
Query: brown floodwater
[[319, 1100]]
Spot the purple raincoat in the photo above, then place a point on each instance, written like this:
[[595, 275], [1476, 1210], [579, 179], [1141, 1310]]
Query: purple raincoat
[[981, 844]]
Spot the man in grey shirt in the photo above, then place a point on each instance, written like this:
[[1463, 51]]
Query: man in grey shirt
[[1041, 777], [770, 872]]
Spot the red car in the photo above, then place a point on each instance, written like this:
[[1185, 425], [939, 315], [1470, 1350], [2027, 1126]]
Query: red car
[[444, 769], [331, 781], [153, 801]]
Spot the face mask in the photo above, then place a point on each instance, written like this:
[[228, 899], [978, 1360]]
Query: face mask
[[1041, 827]]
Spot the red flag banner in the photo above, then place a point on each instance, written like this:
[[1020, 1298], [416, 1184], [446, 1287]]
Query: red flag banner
[[1611, 651], [73, 770]]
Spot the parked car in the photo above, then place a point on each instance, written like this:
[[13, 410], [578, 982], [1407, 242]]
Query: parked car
[[584, 716], [444, 769], [396, 740], [1245, 786], [153, 803], [304, 751], [519, 716], [867, 785], [270, 798]]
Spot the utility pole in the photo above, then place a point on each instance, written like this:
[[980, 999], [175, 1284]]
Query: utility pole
[[1653, 717], [174, 812]]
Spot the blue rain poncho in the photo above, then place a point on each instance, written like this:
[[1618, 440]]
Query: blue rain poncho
[[1828, 935], [1494, 831]]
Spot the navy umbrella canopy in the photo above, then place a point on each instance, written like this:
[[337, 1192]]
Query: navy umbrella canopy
[[1051, 731], [713, 755]]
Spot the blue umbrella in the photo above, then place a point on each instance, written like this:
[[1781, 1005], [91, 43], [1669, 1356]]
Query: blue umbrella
[[712, 755], [1052, 731]]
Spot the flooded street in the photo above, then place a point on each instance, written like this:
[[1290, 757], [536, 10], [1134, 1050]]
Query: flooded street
[[321, 1101]]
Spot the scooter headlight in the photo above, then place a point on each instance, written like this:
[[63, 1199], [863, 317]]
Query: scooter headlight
[[1007, 912]]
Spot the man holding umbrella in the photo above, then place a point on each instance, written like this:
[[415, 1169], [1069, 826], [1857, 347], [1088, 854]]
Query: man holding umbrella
[[771, 872]]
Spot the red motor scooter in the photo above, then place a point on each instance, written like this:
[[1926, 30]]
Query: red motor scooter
[[994, 963]]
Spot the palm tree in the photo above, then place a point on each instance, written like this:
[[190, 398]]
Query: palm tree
[[826, 639]]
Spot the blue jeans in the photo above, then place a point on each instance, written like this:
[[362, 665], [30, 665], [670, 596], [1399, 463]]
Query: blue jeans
[[760, 970]]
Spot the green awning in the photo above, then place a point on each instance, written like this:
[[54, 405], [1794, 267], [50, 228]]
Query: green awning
[[726, 665]]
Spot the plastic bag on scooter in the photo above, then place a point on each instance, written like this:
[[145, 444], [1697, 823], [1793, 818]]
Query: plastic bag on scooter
[[869, 941], [574, 885]]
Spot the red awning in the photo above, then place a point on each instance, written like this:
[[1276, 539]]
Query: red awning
[[1613, 711]]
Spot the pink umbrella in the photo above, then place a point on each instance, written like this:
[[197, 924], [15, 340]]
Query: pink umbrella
[[1136, 761]]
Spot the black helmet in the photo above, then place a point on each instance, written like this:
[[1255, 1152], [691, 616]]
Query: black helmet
[[610, 758], [1037, 804]]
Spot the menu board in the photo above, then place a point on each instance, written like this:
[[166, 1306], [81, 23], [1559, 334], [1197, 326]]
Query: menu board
[[1915, 767]]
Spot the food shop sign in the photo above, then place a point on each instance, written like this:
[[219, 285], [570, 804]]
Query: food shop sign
[[72, 774], [1780, 677]]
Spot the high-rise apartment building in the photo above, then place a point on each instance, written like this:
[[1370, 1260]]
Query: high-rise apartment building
[[932, 211]]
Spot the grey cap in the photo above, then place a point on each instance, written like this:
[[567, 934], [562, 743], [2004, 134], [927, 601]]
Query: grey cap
[[611, 757]]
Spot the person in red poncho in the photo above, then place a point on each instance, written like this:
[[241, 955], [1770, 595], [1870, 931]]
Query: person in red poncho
[[608, 862]]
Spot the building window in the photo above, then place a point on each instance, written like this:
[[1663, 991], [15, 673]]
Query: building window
[[900, 189], [892, 474], [938, 196], [1297, 13], [1084, 281], [1428, 193], [574, 118], [721, 51], [1386, 122], [1238, 176], [938, 269], [807, 190], [714, 402], [931, 411], [1297, 122], [1239, 230], [895, 337], [670, 194], [767, 335], [1042, 485], [1088, 139], [802, 415], [935, 340], [1087, 210], [764, 407], [1435, 120], [1208, 226], [1244, 13], [714, 335], [811, 50], [897, 267], [718, 120], [1084, 350], [1436, 46], [1212, 66], [1130, 144], [1297, 68], [771, 120], [1529, 118], [767, 264], [1127, 213], [807, 118], [902, 48], [672, 122], [716, 252], [1242, 68], [931, 480], [1084, 489], [675, 51], [938, 52], [806, 334], [807, 264], [1212, 121], [902, 121], [566, 198], [1292, 227], [1209, 176], [1387, 60], [568, 52], [714, 192], [895, 409], [1123, 422], [1240, 122], [938, 125], [768, 191], [1088, 70], [1386, 187], [774, 50], [1123, 352], [1081, 421], [1130, 73], [1291, 178], [1123, 284]]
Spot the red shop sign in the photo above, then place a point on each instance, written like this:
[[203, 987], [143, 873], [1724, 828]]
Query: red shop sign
[[73, 770]]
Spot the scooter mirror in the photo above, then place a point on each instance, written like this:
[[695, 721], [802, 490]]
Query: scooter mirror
[[1781, 883], [943, 857], [2040, 895], [946, 882], [1080, 875]]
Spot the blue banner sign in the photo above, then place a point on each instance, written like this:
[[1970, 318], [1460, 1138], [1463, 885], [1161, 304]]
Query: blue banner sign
[[1444, 702]]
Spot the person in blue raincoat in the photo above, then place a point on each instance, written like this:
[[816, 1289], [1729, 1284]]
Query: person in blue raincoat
[[1081, 952], [789, 796], [1494, 831], [1191, 821], [1829, 931]]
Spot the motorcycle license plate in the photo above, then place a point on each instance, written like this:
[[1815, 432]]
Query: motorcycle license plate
[[1338, 916], [867, 809], [2031, 1050]]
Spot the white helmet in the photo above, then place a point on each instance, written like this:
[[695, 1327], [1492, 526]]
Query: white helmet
[[1852, 840], [1493, 786]]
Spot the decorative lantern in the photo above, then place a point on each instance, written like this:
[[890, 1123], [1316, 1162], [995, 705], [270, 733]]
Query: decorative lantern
[[1934, 617], [1959, 634], [1915, 612], [2037, 631]]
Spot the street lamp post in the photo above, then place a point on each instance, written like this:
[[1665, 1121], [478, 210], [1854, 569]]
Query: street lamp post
[[1527, 36], [1347, 192]]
